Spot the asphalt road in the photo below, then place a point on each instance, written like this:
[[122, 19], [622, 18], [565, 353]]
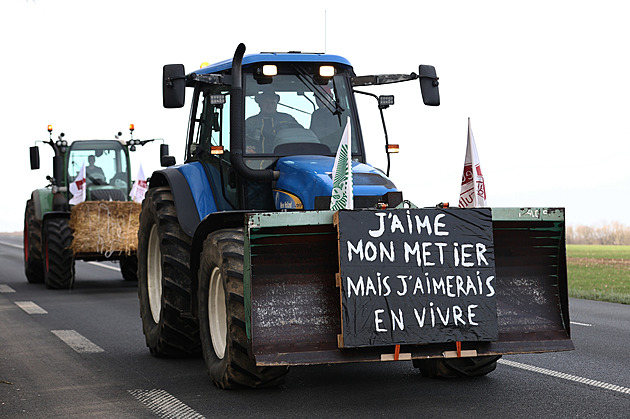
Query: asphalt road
[[81, 354]]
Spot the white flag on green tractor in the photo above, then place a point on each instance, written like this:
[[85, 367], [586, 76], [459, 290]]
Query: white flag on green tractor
[[77, 188], [342, 197], [139, 188], [473, 192]]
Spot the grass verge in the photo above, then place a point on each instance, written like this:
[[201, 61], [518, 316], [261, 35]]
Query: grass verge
[[597, 272]]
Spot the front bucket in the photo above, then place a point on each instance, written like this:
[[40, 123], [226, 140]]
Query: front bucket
[[293, 304], [532, 300]]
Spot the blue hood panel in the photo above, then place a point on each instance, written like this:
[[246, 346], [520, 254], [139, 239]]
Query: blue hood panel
[[311, 176]]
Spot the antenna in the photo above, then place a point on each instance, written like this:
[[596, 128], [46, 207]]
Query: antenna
[[325, 11]]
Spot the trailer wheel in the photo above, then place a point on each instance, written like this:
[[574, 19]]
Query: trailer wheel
[[164, 278], [457, 367], [58, 257], [129, 267], [222, 316], [33, 260]]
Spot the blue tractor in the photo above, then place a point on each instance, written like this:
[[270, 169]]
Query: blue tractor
[[238, 250]]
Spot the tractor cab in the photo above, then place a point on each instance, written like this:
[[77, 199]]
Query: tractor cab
[[254, 121], [106, 168]]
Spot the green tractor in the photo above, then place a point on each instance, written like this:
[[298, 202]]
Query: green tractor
[[49, 253]]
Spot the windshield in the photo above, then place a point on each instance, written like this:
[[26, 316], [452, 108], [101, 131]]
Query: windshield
[[292, 113], [105, 163]]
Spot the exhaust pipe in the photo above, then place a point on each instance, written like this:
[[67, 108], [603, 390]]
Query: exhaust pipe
[[237, 124]]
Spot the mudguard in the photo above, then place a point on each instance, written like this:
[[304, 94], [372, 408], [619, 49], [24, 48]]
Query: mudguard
[[42, 201], [183, 181], [196, 190]]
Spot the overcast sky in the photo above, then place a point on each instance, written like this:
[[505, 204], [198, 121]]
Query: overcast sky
[[545, 83]]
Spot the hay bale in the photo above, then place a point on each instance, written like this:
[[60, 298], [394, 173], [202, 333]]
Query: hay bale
[[106, 227]]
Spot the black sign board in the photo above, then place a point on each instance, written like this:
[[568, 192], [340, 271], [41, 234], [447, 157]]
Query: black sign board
[[415, 276]]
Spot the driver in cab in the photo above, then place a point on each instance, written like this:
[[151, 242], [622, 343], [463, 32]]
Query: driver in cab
[[93, 172], [261, 128]]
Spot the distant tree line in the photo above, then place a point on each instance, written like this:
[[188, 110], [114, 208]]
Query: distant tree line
[[612, 233]]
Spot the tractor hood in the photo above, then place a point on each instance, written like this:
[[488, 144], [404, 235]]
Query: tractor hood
[[307, 180]]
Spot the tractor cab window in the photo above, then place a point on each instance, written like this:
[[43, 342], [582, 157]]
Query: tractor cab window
[[210, 122], [104, 165], [209, 141], [293, 112]]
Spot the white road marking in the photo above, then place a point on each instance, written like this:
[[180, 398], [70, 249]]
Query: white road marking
[[77, 342], [17, 246], [582, 380], [103, 265], [30, 307], [4, 288], [164, 405], [582, 324]]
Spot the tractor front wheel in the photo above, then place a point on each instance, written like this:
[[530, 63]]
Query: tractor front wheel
[[164, 278], [222, 316], [33, 260], [457, 367], [58, 257]]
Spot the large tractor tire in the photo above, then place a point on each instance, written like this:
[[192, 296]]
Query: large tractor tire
[[33, 260], [58, 257], [457, 367], [129, 267], [222, 316], [164, 278]]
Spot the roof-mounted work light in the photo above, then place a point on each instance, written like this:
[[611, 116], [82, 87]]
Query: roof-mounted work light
[[326, 71], [270, 70]]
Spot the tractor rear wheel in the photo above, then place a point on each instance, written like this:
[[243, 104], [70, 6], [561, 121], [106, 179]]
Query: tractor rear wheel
[[58, 257], [33, 260], [129, 267], [222, 316], [164, 278], [457, 367]]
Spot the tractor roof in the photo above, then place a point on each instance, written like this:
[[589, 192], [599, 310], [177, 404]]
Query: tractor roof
[[276, 57]]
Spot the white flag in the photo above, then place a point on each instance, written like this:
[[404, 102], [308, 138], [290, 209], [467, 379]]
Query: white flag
[[139, 188], [78, 187], [342, 197], [473, 192]]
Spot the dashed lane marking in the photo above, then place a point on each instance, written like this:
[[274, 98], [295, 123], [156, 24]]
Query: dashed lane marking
[[4, 288], [582, 380], [582, 324], [77, 342], [30, 307], [164, 405]]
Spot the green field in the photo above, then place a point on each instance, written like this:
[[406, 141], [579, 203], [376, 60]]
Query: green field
[[599, 272]]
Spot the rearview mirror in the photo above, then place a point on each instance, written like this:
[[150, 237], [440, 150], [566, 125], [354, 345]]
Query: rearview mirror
[[429, 85], [34, 157], [163, 150], [173, 86], [167, 161]]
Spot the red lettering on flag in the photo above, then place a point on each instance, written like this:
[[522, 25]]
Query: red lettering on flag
[[468, 174]]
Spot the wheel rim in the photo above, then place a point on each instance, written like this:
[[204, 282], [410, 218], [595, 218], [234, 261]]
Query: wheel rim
[[154, 274], [217, 313]]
